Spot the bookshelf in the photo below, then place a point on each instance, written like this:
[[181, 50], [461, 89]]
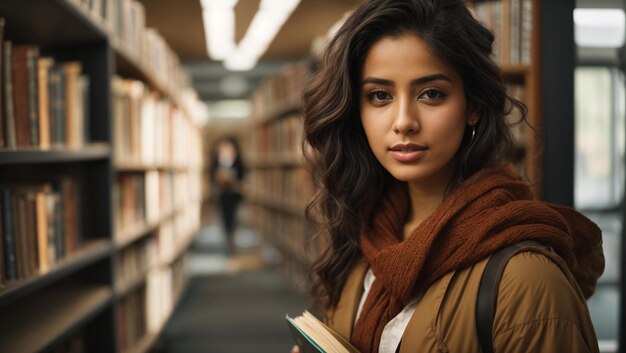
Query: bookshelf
[[543, 77], [517, 27], [278, 186], [102, 198]]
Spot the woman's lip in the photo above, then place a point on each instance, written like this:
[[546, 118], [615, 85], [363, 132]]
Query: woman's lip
[[407, 156], [407, 147]]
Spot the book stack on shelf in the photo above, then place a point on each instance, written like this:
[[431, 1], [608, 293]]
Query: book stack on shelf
[[100, 188], [511, 21], [278, 184], [514, 25]]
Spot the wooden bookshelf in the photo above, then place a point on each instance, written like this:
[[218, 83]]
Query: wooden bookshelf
[[90, 152], [81, 291], [50, 318], [517, 27], [277, 185], [90, 253], [149, 340], [269, 201]]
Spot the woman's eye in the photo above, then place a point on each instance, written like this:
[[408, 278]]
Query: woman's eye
[[379, 96], [433, 95]]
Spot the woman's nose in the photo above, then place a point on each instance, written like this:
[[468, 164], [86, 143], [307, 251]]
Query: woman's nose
[[406, 121]]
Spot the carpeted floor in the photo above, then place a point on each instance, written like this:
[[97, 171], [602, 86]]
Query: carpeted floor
[[231, 304]]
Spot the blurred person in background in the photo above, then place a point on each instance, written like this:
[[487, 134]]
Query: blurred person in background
[[227, 172]]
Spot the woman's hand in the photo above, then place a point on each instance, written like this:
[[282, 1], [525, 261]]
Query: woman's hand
[[295, 349]]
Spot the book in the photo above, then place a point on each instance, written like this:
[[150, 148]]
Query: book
[[33, 91], [44, 64], [57, 106], [42, 229], [2, 261], [8, 110], [74, 129], [21, 97], [313, 336], [9, 236], [2, 133]]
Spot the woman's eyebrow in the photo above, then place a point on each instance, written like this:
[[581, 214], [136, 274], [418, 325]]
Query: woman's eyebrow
[[417, 81]]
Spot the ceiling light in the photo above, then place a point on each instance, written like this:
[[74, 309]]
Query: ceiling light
[[599, 27], [219, 27], [234, 85], [268, 20], [230, 109]]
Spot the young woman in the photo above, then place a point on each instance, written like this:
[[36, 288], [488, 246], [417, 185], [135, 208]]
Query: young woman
[[409, 148]]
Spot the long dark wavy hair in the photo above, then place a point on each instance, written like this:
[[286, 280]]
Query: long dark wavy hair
[[348, 177]]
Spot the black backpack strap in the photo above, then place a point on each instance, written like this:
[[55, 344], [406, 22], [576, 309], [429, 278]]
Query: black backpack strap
[[488, 290]]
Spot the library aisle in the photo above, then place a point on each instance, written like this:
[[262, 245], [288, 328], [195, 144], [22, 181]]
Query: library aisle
[[232, 304]]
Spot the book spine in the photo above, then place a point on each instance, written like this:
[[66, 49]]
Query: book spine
[[2, 256], [9, 235], [20, 96], [2, 116], [33, 101], [43, 73], [527, 28], [9, 112], [85, 85], [60, 227], [73, 129], [51, 207], [20, 234], [62, 109], [32, 260], [56, 100], [515, 32], [42, 231], [71, 221]]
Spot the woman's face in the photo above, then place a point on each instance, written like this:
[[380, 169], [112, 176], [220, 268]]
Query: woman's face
[[226, 149], [413, 110]]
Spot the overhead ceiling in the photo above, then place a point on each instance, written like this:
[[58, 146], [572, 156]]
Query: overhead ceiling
[[180, 23]]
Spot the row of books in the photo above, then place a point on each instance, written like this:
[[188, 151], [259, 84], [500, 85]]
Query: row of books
[[290, 233], [147, 197], [125, 22], [149, 129], [40, 226], [131, 319], [145, 310], [43, 103], [280, 138], [172, 236], [160, 297], [291, 187], [281, 91], [134, 261], [293, 237], [280, 186], [511, 21], [185, 225], [159, 247], [129, 199]]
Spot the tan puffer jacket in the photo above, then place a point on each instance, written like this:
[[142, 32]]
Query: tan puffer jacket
[[540, 309]]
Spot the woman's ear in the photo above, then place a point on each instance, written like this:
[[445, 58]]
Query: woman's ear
[[473, 115]]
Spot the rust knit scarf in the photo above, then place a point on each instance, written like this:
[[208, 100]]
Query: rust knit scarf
[[490, 210]]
